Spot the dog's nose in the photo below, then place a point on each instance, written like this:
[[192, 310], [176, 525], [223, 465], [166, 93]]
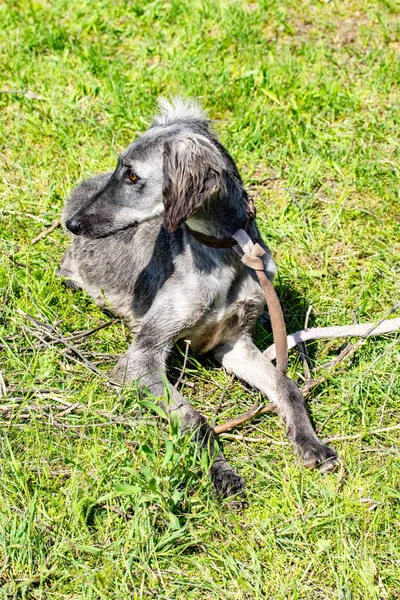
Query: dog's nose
[[73, 225]]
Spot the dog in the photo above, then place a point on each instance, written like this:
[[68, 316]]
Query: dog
[[132, 249]]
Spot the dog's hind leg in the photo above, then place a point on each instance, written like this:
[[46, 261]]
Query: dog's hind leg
[[243, 358], [146, 365], [68, 270]]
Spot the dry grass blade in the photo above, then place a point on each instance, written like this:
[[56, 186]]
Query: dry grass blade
[[3, 389], [182, 373], [357, 436], [221, 399], [13, 410], [117, 511]]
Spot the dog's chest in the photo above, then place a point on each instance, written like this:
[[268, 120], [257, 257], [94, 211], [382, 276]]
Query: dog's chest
[[235, 310]]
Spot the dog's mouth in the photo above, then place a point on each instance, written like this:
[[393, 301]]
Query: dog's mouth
[[97, 231]]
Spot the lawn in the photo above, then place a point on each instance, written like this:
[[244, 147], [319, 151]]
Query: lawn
[[98, 498]]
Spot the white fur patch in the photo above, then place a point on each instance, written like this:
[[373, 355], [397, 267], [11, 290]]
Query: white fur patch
[[178, 109], [199, 225], [126, 215]]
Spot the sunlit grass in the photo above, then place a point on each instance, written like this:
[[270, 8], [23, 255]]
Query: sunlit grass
[[305, 96]]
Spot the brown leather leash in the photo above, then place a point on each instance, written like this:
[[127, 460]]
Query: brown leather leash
[[251, 255]]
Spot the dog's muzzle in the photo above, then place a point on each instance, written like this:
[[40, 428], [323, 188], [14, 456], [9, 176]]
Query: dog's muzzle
[[73, 225]]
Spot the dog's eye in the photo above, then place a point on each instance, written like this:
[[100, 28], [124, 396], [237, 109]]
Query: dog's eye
[[132, 177]]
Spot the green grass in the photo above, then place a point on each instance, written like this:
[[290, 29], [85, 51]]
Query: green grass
[[305, 96]]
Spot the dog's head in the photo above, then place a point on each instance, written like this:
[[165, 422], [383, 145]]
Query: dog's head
[[174, 169]]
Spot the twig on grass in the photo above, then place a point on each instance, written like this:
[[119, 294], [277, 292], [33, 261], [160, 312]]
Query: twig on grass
[[362, 330], [82, 359], [383, 326], [56, 223], [84, 334], [247, 416], [46, 330], [312, 383], [50, 332], [241, 438], [334, 438]]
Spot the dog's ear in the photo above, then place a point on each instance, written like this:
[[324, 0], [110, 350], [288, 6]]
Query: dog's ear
[[193, 170]]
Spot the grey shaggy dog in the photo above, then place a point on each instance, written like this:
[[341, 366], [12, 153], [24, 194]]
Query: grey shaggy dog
[[131, 249]]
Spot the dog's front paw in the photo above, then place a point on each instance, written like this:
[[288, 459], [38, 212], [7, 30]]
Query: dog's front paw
[[314, 453], [118, 374], [227, 483]]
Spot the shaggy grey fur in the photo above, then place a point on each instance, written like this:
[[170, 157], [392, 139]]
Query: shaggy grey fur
[[131, 249]]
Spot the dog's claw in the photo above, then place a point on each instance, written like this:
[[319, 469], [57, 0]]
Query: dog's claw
[[315, 454]]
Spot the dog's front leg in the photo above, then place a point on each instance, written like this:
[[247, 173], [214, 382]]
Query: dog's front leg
[[146, 366], [243, 358]]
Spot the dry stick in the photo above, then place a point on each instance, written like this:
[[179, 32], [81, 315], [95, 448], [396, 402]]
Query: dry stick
[[26, 93], [350, 349], [31, 391], [84, 334], [362, 330], [245, 438], [46, 232], [178, 383], [89, 365], [45, 329], [48, 330], [26, 414], [250, 414], [68, 410], [73, 433], [334, 438], [333, 362]]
